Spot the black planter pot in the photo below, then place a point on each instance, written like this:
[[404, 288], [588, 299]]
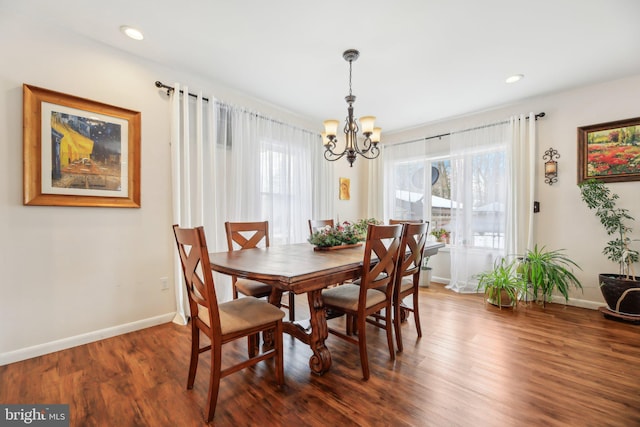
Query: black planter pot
[[622, 295]]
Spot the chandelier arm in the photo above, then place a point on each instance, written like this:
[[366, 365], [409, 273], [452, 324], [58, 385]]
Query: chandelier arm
[[331, 156], [371, 153]]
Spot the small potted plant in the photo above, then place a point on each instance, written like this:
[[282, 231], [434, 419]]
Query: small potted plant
[[441, 235], [621, 291], [546, 271], [502, 285]]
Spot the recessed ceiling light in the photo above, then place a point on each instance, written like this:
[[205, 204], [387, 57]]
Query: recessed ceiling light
[[514, 78], [132, 32]]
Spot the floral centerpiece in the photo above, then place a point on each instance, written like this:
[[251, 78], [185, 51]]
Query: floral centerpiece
[[346, 233]]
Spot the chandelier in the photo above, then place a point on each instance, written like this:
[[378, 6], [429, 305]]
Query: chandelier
[[369, 147]]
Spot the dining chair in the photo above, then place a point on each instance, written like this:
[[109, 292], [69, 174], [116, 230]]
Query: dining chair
[[374, 291], [314, 225], [407, 280], [224, 322], [248, 235], [403, 221]]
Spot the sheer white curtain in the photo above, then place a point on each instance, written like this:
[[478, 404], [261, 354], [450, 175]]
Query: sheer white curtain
[[492, 192], [479, 197], [230, 164], [522, 154]]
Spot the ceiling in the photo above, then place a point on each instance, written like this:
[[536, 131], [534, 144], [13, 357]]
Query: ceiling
[[420, 60]]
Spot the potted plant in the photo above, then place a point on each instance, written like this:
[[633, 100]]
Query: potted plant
[[503, 284], [441, 235], [621, 291], [425, 276], [546, 271]]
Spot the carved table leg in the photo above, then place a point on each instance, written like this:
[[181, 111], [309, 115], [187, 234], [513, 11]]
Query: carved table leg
[[320, 362]]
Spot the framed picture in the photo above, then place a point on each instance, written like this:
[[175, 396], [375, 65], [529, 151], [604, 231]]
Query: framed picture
[[345, 184], [79, 152], [609, 152]]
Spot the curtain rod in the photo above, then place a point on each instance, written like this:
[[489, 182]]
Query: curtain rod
[[426, 138], [170, 89]]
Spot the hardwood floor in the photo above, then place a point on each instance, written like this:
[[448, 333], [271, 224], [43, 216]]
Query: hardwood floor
[[474, 366]]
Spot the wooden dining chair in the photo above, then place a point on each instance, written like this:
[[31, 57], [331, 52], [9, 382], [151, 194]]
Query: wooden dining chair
[[314, 225], [403, 221], [247, 235], [374, 291], [224, 322], [407, 280]]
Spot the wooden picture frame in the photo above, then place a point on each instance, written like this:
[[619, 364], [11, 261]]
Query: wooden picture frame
[[78, 152], [609, 152]]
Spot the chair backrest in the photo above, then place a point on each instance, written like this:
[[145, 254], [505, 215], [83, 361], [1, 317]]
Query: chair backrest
[[194, 257], [314, 225], [382, 246], [405, 221], [246, 235], [414, 237]]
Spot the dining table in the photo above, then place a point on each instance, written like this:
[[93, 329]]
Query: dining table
[[301, 268]]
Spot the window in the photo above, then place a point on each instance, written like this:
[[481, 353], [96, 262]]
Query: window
[[422, 195], [285, 190], [423, 191]]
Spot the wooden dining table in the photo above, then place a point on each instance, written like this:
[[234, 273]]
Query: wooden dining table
[[300, 269]]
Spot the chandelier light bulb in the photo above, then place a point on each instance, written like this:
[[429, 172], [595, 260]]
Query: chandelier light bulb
[[367, 123]]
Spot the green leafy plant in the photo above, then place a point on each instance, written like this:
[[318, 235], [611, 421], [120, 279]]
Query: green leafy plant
[[597, 196], [362, 225], [503, 282], [440, 233], [547, 271], [346, 233]]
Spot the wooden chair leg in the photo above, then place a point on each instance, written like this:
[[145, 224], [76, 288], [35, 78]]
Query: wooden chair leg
[[388, 326], [397, 326], [214, 380], [279, 359], [362, 344], [416, 314], [253, 344], [292, 309], [195, 352], [349, 324]]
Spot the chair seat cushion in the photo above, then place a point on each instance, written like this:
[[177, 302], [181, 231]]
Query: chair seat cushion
[[253, 288], [245, 313], [346, 297]]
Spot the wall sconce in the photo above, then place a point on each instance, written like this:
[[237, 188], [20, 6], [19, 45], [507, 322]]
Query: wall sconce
[[551, 166]]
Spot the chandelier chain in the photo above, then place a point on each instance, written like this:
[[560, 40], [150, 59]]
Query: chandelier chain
[[350, 64]]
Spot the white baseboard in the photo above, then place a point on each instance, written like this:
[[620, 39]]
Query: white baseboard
[[65, 343], [593, 305]]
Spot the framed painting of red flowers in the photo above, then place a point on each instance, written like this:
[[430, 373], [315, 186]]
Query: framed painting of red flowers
[[609, 152]]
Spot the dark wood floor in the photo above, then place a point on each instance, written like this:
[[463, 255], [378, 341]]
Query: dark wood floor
[[474, 366]]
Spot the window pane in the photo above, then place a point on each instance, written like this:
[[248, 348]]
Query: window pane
[[409, 190], [488, 216], [440, 194]]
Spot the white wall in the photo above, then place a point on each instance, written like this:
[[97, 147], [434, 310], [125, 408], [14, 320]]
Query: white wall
[[72, 275], [564, 221], [354, 208]]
